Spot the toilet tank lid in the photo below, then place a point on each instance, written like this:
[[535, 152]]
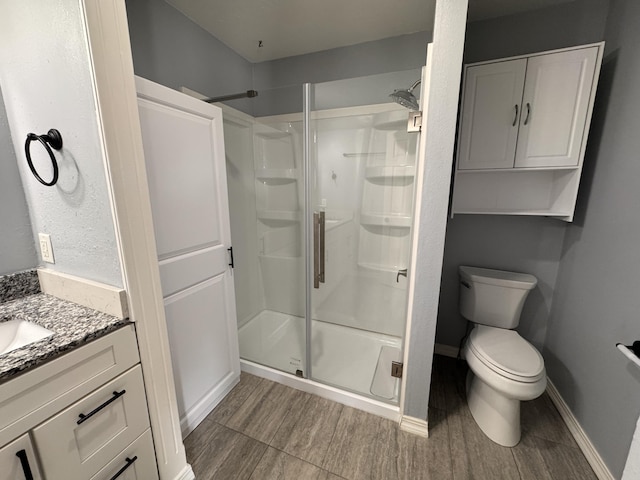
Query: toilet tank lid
[[498, 277]]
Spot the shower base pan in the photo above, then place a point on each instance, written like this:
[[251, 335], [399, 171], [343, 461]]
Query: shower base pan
[[349, 365]]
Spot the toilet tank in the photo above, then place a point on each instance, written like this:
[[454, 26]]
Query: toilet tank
[[493, 297]]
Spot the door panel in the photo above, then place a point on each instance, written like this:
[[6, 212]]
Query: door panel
[[199, 350], [555, 104], [491, 110], [182, 182], [185, 160], [184, 271]]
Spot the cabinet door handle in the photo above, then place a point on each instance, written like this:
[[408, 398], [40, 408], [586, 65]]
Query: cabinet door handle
[[84, 417], [127, 465], [24, 461], [526, 120], [515, 117]]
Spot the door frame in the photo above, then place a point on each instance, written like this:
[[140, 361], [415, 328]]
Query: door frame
[[111, 61], [118, 119]]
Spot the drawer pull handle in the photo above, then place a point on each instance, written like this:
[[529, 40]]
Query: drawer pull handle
[[26, 468], [121, 471], [84, 417]]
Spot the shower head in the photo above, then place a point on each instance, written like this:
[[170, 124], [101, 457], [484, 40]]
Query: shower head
[[406, 98]]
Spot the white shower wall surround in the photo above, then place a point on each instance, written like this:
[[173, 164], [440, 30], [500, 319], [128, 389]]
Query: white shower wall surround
[[365, 186]]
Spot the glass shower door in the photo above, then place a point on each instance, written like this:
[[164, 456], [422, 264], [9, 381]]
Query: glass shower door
[[360, 203], [265, 173]]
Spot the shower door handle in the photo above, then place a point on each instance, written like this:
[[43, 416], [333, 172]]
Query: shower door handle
[[318, 249], [321, 246]]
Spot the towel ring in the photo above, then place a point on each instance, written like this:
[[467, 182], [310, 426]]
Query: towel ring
[[52, 139]]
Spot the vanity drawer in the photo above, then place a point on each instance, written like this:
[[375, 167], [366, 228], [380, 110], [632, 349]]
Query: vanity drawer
[[136, 462], [82, 439], [11, 465]]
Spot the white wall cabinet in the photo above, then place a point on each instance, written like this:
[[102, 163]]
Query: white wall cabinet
[[523, 132], [83, 422]]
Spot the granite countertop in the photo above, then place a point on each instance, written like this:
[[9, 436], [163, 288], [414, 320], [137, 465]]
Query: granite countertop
[[72, 325]]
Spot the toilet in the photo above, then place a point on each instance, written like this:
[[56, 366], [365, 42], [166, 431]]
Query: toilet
[[504, 368]]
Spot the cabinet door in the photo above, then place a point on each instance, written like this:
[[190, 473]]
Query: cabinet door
[[555, 105], [490, 113], [17, 459]]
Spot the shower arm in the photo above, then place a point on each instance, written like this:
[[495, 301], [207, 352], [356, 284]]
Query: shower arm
[[224, 98], [414, 85]]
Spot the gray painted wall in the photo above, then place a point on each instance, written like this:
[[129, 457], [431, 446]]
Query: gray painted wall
[[17, 249], [520, 244], [404, 52], [565, 25], [596, 303], [170, 49], [523, 244], [46, 81], [280, 81]]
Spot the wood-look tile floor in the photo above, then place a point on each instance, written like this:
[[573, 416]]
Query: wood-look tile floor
[[263, 431]]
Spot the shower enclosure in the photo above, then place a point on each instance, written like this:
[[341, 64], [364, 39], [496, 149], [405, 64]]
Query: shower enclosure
[[321, 189]]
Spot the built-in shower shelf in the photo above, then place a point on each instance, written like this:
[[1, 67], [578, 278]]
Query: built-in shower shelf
[[364, 154], [393, 125], [279, 215], [390, 171], [276, 135], [276, 176], [385, 220], [376, 267]]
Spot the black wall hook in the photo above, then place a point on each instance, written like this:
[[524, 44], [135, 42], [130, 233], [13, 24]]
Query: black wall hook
[[52, 139]]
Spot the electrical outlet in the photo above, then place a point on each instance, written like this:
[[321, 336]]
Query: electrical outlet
[[46, 251]]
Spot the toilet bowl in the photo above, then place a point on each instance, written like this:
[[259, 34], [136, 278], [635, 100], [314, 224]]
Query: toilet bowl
[[504, 369]]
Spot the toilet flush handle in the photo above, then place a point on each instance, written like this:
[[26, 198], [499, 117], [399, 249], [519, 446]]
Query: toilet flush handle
[[402, 272]]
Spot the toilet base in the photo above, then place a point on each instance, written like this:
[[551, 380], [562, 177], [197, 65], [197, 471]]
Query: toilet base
[[496, 415]]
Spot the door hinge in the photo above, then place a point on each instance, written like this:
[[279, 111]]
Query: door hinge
[[415, 122], [396, 369], [230, 250]]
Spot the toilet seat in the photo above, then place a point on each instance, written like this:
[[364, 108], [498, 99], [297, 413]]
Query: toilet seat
[[506, 353]]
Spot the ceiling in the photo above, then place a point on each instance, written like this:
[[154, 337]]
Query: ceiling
[[297, 27]]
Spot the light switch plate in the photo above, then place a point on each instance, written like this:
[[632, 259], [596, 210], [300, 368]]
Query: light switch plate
[[46, 251]]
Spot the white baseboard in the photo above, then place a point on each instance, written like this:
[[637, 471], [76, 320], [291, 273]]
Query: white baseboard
[[186, 474], [446, 350], [414, 425], [95, 295], [580, 436], [191, 419]]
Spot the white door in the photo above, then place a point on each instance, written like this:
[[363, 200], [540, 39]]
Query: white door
[[184, 152], [555, 105], [490, 114]]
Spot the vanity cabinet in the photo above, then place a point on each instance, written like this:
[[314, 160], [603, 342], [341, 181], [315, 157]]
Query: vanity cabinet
[[18, 460], [81, 416], [523, 132]]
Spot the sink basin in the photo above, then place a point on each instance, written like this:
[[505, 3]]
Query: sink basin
[[18, 333]]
